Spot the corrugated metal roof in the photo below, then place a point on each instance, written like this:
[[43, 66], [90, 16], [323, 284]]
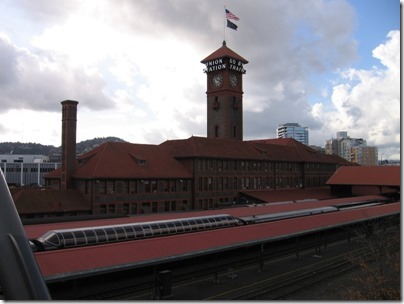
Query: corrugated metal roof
[[71, 262], [367, 175]]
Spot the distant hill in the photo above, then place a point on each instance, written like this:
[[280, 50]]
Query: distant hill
[[89, 144], [34, 148]]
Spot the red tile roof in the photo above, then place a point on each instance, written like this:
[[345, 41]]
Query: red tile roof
[[48, 201], [224, 51], [367, 176], [292, 150], [303, 151], [126, 160]]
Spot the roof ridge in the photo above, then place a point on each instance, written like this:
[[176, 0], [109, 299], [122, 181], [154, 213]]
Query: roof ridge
[[104, 145]]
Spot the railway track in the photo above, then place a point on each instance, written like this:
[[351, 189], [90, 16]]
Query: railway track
[[279, 288], [284, 286], [240, 280]]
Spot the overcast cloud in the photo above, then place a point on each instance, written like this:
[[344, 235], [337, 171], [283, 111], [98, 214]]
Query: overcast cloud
[[134, 67]]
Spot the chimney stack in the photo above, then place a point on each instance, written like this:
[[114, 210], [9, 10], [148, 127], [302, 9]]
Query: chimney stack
[[69, 122]]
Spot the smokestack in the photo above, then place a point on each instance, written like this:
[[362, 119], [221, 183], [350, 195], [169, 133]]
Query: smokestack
[[69, 122]]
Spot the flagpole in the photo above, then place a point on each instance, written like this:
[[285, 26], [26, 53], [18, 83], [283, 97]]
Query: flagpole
[[224, 24]]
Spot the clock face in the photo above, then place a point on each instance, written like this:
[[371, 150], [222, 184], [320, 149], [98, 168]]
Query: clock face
[[233, 80], [217, 80]]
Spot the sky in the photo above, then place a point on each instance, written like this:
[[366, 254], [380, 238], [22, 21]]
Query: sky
[[134, 67]]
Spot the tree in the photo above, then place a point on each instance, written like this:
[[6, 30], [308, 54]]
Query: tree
[[378, 277]]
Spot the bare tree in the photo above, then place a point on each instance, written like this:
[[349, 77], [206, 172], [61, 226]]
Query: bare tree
[[378, 277]]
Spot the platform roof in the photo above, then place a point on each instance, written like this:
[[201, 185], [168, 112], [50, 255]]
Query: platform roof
[[35, 231], [86, 261]]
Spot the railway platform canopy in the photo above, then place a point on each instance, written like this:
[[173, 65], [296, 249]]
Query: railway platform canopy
[[65, 264]]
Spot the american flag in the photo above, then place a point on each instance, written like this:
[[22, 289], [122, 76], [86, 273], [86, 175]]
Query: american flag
[[230, 15]]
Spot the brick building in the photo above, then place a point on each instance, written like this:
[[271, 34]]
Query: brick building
[[193, 173]]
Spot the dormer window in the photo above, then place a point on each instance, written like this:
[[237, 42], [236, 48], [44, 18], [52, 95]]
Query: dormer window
[[138, 160], [141, 162]]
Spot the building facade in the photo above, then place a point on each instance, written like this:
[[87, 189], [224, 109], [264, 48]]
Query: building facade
[[194, 173], [365, 155], [352, 149], [26, 169], [295, 131]]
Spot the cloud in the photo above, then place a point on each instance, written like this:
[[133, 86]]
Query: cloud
[[36, 82], [135, 68], [366, 103], [290, 42]]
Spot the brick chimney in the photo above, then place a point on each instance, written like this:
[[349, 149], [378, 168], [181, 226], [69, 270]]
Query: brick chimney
[[69, 122]]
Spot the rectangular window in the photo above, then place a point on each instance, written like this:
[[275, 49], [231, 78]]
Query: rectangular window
[[111, 208], [125, 187], [103, 209], [102, 186], [198, 165], [173, 206], [111, 187], [173, 185], [133, 208], [147, 186], [154, 186], [220, 183], [200, 183], [146, 208], [125, 209], [154, 207], [133, 186], [86, 187], [184, 185], [166, 186]]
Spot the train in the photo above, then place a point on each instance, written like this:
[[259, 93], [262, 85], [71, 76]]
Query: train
[[87, 236]]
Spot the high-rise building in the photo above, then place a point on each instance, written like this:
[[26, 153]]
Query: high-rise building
[[352, 149], [365, 155], [295, 131]]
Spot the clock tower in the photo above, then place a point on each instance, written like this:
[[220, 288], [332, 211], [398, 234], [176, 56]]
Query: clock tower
[[224, 70]]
